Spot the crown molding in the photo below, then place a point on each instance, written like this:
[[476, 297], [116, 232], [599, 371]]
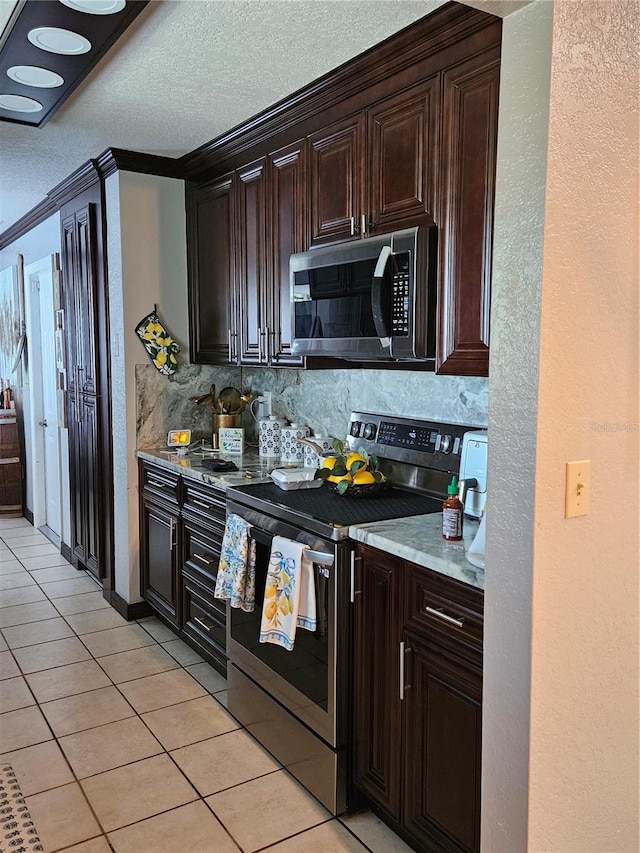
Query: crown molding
[[86, 176]]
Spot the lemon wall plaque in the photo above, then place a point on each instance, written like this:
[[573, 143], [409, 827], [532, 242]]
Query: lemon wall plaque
[[158, 343]]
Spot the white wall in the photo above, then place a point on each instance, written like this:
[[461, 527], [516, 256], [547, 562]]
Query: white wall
[[146, 241], [560, 764], [513, 390], [584, 689]]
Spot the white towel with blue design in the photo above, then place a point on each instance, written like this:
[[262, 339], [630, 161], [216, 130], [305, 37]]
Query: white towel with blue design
[[289, 595], [236, 578]]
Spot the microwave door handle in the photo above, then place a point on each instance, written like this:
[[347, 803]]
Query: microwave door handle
[[380, 321]]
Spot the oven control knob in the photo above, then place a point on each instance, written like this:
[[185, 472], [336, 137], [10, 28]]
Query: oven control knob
[[355, 428], [370, 431], [446, 444]]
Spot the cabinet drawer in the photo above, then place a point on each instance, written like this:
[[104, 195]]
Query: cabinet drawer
[[160, 483], [438, 605], [201, 553], [205, 504], [204, 619]]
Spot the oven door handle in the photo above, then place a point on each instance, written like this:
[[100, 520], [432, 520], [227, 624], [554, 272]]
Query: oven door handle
[[319, 557]]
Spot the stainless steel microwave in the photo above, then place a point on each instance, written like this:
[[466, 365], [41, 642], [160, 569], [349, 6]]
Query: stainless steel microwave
[[367, 300]]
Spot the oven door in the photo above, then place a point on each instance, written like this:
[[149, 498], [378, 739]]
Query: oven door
[[311, 680]]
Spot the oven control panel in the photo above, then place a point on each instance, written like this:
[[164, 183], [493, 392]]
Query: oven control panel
[[428, 443]]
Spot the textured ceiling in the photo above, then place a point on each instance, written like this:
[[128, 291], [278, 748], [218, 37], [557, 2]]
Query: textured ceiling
[[188, 70]]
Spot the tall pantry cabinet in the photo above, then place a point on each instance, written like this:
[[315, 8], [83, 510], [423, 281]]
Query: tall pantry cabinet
[[87, 404]]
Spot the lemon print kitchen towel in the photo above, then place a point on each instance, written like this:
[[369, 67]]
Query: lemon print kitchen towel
[[158, 343], [289, 595]]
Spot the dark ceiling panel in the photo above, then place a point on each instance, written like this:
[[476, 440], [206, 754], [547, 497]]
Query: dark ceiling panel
[[16, 49]]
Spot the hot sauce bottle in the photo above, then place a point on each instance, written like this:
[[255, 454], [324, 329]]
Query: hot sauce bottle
[[452, 513]]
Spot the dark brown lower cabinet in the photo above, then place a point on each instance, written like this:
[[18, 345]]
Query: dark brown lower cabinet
[[418, 701], [182, 523], [159, 559]]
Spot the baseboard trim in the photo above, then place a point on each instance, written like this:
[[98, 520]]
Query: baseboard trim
[[137, 610], [28, 515], [51, 536], [65, 550]]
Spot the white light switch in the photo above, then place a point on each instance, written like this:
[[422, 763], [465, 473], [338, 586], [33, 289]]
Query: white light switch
[[578, 488]]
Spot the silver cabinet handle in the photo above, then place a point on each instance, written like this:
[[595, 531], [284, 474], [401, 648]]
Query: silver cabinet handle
[[260, 346], [352, 578], [202, 504], [157, 483], [265, 332], [440, 615], [202, 624], [363, 225], [203, 559], [402, 670], [172, 534], [76, 382], [352, 225], [232, 350]]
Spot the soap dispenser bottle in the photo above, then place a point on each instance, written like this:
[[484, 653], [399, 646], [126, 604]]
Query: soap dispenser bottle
[[452, 513]]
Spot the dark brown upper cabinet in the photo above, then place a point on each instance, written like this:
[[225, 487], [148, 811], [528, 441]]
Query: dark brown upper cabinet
[[403, 135], [376, 172], [336, 182], [242, 230], [271, 208], [468, 163], [211, 239]]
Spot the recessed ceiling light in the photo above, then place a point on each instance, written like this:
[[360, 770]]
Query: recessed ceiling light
[[18, 104], [96, 7], [55, 40], [33, 75]]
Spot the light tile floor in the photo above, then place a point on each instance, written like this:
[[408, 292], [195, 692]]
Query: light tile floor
[[119, 734]]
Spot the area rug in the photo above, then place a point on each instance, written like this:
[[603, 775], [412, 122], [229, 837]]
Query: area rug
[[18, 833]]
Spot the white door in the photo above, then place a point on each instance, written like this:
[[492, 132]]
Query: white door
[[45, 435]]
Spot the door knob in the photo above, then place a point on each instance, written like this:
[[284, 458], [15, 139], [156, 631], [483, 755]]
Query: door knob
[[43, 423]]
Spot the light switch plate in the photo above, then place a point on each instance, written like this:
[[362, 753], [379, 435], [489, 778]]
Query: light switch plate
[[578, 488]]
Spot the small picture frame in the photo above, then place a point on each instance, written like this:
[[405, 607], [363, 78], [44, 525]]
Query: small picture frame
[[231, 440]]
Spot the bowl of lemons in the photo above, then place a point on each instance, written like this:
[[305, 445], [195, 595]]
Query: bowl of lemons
[[352, 473]]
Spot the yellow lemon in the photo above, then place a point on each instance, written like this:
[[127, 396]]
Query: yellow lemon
[[361, 478], [355, 457], [336, 479], [329, 462], [269, 591], [270, 609]]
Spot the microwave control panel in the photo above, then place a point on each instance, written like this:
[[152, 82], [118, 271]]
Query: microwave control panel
[[400, 295]]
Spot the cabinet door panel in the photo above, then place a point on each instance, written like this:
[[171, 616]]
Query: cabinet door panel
[[288, 217], [377, 674], [78, 267], [402, 167], [158, 559], [84, 482], [442, 751], [336, 181], [251, 280], [468, 182], [210, 248]]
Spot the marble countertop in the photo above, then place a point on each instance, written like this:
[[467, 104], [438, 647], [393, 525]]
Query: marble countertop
[[251, 468], [419, 540]]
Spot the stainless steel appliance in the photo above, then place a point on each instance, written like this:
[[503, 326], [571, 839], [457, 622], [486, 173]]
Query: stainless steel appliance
[[371, 299], [297, 703]]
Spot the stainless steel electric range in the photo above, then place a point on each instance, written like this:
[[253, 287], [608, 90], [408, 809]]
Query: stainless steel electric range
[[297, 703]]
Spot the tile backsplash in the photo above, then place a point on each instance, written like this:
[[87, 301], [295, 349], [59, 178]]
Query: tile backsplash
[[321, 399]]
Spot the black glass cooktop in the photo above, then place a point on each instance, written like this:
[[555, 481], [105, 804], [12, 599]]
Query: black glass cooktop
[[325, 506]]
